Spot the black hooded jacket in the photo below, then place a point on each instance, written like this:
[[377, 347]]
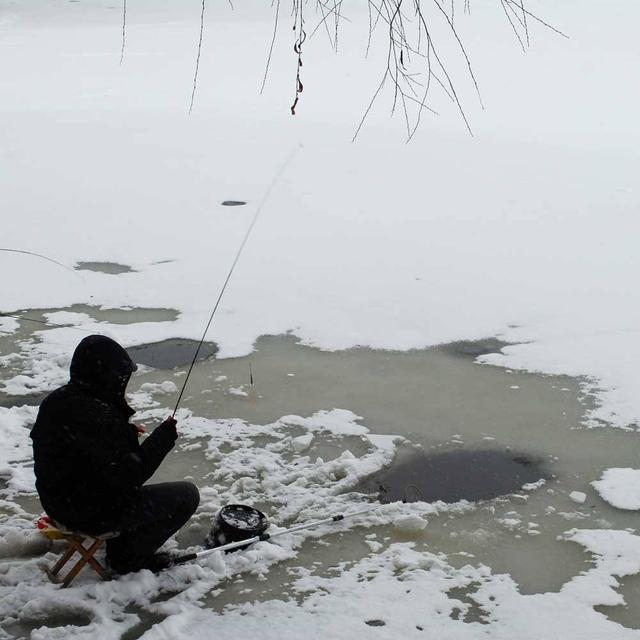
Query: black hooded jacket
[[89, 464]]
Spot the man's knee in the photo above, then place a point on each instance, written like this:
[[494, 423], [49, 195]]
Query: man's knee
[[191, 497]]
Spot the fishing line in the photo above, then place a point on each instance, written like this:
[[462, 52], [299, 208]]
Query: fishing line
[[44, 322], [47, 258], [275, 181]]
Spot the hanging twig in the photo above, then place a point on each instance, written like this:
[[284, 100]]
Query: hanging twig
[[301, 36], [124, 29], [195, 75], [273, 41]]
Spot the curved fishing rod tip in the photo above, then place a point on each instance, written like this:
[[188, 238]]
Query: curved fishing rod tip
[[43, 257]]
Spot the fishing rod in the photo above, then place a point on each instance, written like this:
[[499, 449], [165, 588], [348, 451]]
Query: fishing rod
[[269, 536], [275, 181]]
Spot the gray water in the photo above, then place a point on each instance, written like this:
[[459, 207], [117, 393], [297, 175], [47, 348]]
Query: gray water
[[451, 476], [442, 402], [111, 268], [172, 353]]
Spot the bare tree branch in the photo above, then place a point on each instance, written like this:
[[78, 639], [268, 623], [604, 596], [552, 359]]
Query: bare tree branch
[[414, 67]]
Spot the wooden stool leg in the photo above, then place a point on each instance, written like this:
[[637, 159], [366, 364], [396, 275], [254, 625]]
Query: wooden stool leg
[[71, 549], [75, 544], [95, 565], [86, 556]]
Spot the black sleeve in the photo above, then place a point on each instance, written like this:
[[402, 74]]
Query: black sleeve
[[115, 454], [133, 465], [156, 447]]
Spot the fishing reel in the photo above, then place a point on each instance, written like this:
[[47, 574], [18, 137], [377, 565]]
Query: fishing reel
[[234, 523]]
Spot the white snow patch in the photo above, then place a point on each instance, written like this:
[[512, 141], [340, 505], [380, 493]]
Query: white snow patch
[[16, 453], [620, 488], [532, 486], [578, 497], [302, 442], [8, 325], [69, 318], [511, 521], [411, 524], [161, 387]]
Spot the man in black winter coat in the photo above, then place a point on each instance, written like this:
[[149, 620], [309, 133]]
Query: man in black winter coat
[[90, 466]]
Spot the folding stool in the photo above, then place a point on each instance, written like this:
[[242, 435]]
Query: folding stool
[[75, 545]]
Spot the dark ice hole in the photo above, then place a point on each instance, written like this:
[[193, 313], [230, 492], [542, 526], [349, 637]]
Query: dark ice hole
[[171, 353], [112, 268], [233, 203], [454, 476], [475, 348], [375, 623]]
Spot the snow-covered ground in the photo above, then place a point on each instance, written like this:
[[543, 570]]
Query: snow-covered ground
[[620, 488], [526, 231]]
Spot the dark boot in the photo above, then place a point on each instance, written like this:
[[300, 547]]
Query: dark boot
[[155, 563]]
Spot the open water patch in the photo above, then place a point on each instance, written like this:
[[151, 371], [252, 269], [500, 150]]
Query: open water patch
[[456, 475], [123, 315], [171, 353], [625, 614], [233, 203], [32, 399], [112, 268], [24, 627]]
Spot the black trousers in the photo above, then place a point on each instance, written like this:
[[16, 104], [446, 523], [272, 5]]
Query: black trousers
[[159, 511]]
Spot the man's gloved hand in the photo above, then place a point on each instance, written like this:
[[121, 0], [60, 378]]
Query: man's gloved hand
[[170, 426], [165, 434]]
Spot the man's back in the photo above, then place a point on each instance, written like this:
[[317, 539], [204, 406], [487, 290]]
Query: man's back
[[89, 465], [77, 442]]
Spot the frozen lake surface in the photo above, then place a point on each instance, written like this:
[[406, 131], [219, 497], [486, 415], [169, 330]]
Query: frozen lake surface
[[509, 443], [460, 307]]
